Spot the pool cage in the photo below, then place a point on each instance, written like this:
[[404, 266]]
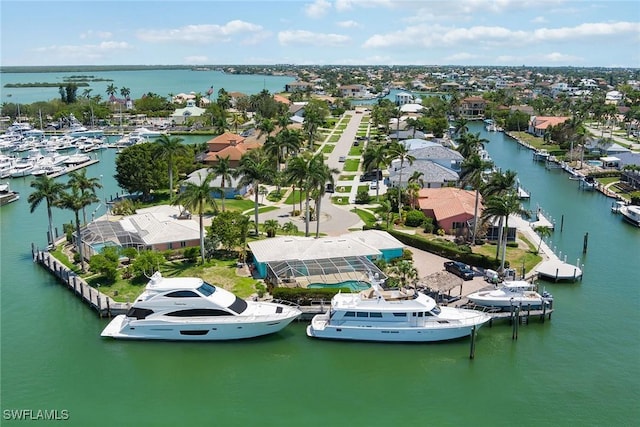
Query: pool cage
[[100, 233], [301, 273]]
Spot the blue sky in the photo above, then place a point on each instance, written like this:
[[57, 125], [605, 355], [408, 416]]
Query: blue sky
[[349, 32]]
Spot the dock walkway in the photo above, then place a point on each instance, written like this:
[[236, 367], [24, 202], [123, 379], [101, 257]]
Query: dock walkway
[[104, 305]]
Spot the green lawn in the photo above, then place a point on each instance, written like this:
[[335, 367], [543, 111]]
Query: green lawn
[[351, 165], [328, 148], [334, 138], [365, 216], [356, 151], [294, 197], [534, 141], [340, 200], [346, 177], [363, 188], [235, 205], [343, 189], [515, 256]]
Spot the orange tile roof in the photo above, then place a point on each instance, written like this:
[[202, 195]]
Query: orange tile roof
[[281, 99], [227, 138], [545, 122], [448, 202]]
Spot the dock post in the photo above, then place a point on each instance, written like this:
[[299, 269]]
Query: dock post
[[514, 335], [561, 222], [529, 312], [472, 350], [108, 308], [544, 310], [585, 242]]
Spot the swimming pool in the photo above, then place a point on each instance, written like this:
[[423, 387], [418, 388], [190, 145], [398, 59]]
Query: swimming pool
[[353, 285], [597, 163]]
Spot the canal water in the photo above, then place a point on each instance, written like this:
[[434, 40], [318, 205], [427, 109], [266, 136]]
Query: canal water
[[580, 368]]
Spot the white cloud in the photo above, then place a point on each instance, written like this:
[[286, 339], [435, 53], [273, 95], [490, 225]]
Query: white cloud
[[554, 57], [437, 35], [560, 57], [200, 33], [346, 5], [96, 34], [87, 52], [302, 37], [462, 56], [317, 9], [539, 20], [348, 24]]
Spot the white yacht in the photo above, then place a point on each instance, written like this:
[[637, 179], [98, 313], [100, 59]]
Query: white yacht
[[515, 292], [631, 214], [188, 308], [378, 315]]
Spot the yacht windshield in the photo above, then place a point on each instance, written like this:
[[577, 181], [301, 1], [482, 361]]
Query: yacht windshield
[[206, 289], [435, 310], [238, 306]]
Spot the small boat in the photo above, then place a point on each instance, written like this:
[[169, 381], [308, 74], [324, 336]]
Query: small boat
[[6, 195], [511, 293], [617, 206], [631, 214], [378, 315], [77, 158], [188, 308], [541, 155]]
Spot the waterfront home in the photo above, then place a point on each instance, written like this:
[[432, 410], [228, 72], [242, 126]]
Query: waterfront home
[[155, 228], [354, 91], [472, 107], [336, 258], [181, 115], [229, 145], [451, 208], [230, 188], [297, 87], [538, 125]]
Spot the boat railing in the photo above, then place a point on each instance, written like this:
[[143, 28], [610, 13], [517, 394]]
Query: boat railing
[[285, 302]]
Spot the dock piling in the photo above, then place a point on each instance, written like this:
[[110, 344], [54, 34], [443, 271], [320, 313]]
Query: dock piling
[[472, 350]]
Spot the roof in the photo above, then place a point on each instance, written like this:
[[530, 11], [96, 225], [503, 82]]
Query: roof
[[432, 172], [545, 122], [448, 202], [160, 224], [436, 151], [227, 138], [196, 178], [282, 99], [363, 243]]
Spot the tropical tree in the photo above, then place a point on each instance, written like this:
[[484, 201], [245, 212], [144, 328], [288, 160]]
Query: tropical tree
[[296, 173], [49, 190], [265, 127], [289, 228], [197, 198], [80, 181], [111, 90], [405, 271], [504, 206], [314, 115], [469, 143], [254, 168], [418, 178], [271, 227], [399, 151], [321, 174], [384, 208], [460, 126], [166, 148], [125, 92], [498, 184], [76, 201], [374, 157], [543, 231], [223, 170], [472, 172]]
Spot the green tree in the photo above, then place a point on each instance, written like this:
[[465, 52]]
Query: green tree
[[376, 156], [543, 231], [111, 90], [76, 201], [166, 147], [399, 151], [49, 190], [106, 263], [271, 227], [147, 263], [138, 170], [223, 170], [315, 113], [78, 179], [289, 228], [229, 229], [254, 169], [472, 172], [197, 198]]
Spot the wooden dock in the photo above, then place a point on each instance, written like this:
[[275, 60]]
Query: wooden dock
[[104, 305], [74, 167]]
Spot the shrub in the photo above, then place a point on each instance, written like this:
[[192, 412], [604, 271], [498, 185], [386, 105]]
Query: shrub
[[362, 198], [192, 253], [414, 218], [303, 296]]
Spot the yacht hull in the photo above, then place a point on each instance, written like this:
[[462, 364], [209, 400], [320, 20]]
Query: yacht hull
[[122, 327]]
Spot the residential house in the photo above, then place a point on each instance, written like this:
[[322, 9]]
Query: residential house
[[472, 107], [403, 98], [228, 145], [230, 189], [181, 115], [298, 87], [354, 91], [538, 125], [451, 208]]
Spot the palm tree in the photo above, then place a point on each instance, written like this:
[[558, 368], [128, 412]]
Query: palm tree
[[499, 184], [400, 152], [469, 144], [167, 147], [320, 175], [49, 190], [80, 181], [296, 173], [418, 178], [125, 92], [405, 271], [289, 228], [197, 197], [460, 126], [472, 170], [254, 169], [543, 231], [385, 208], [76, 201], [271, 227], [266, 126], [223, 170], [375, 156], [504, 206], [111, 90]]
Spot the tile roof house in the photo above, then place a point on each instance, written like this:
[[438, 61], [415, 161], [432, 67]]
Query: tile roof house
[[472, 107], [451, 208], [538, 125], [228, 145]]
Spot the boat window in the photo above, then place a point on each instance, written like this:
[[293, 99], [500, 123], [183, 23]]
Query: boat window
[[420, 314], [182, 294], [206, 289], [199, 312], [139, 313], [362, 314], [435, 310], [375, 314], [428, 313], [350, 314], [238, 306], [400, 314]]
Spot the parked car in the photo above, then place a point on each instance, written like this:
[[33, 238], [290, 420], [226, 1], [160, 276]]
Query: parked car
[[371, 176], [373, 185], [342, 159], [460, 269], [329, 188]]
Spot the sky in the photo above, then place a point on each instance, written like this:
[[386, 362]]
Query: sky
[[576, 33]]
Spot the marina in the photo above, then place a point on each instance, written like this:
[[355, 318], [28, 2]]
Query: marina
[[567, 369]]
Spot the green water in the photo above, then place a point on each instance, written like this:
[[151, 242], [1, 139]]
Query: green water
[[353, 285], [581, 368]]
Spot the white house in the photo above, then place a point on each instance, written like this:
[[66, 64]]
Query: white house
[[180, 115]]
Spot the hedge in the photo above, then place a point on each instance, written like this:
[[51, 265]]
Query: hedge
[[304, 296], [476, 260]]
